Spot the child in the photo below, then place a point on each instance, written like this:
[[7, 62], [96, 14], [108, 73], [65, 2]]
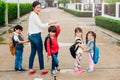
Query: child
[[53, 47], [80, 45], [90, 41], [18, 40]]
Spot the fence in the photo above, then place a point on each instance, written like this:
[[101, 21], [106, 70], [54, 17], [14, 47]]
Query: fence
[[82, 7]]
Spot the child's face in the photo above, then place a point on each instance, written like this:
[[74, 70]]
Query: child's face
[[18, 31], [52, 34], [78, 34], [90, 37]]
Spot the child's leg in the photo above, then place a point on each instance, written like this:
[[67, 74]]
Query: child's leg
[[16, 60], [54, 61], [90, 61], [78, 59], [20, 59]]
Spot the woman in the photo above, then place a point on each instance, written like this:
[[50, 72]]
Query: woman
[[34, 32]]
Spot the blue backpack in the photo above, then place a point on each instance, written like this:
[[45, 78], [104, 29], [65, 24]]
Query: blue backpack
[[96, 54]]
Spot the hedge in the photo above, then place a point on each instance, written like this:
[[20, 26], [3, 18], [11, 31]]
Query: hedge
[[12, 9], [78, 13], [108, 23], [2, 13]]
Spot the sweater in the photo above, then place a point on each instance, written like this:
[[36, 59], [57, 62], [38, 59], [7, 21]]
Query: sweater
[[54, 47]]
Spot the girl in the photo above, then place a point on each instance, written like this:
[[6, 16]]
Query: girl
[[90, 41], [80, 45]]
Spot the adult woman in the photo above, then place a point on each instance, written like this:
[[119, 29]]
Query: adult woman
[[34, 32]]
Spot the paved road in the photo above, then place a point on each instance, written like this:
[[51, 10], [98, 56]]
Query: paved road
[[108, 67]]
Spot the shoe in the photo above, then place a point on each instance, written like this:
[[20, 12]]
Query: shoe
[[23, 69], [58, 69], [43, 72], [16, 69], [76, 70], [32, 72], [53, 72], [90, 70]]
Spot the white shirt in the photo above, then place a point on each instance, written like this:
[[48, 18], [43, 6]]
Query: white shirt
[[16, 36], [80, 50], [35, 24]]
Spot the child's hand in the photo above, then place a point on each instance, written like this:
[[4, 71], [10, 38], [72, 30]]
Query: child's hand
[[49, 57], [27, 40]]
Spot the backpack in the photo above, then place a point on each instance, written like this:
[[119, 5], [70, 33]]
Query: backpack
[[95, 57], [45, 42], [12, 45], [73, 50]]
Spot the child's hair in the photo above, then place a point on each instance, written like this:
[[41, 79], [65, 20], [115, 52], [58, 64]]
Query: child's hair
[[18, 27], [93, 34], [78, 29], [52, 29]]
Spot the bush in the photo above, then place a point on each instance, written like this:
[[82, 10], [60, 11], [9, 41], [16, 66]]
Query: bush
[[12, 9], [2, 13], [78, 13], [108, 23]]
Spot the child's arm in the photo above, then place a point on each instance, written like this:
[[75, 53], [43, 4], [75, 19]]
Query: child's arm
[[48, 48], [91, 46], [58, 30]]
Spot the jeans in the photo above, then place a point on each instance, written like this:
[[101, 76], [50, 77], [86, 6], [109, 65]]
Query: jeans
[[18, 59], [54, 61], [36, 45]]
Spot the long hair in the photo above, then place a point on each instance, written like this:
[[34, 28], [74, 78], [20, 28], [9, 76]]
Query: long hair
[[94, 35]]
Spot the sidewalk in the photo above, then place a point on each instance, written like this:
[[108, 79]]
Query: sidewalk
[[108, 67]]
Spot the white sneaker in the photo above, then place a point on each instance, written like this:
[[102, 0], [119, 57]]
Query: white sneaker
[[90, 70], [53, 72]]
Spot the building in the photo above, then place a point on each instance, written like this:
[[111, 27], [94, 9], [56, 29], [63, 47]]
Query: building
[[51, 3]]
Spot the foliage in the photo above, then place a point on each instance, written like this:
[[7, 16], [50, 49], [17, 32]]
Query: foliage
[[12, 9], [108, 23], [112, 1], [78, 13], [63, 1], [2, 13]]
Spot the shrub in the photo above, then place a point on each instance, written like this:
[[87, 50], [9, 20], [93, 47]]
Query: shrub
[[78, 13], [12, 9], [108, 23], [2, 13]]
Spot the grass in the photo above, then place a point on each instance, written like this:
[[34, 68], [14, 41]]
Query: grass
[[118, 43], [1, 39]]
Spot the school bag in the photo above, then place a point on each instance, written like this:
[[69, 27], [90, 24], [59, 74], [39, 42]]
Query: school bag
[[45, 42], [12, 45], [95, 57], [73, 50]]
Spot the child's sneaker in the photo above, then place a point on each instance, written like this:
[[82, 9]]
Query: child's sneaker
[[53, 72], [90, 70], [76, 69]]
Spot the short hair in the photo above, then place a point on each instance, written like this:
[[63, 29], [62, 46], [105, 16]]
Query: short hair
[[35, 3], [18, 27], [52, 29]]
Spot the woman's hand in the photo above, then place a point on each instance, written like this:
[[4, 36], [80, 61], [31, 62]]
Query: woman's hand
[[52, 22]]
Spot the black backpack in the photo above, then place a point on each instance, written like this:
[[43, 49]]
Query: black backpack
[[73, 50], [45, 42]]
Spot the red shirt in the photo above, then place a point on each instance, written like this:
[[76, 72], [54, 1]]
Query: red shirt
[[54, 47]]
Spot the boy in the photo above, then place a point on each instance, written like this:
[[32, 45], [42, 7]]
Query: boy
[[53, 47], [18, 41]]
